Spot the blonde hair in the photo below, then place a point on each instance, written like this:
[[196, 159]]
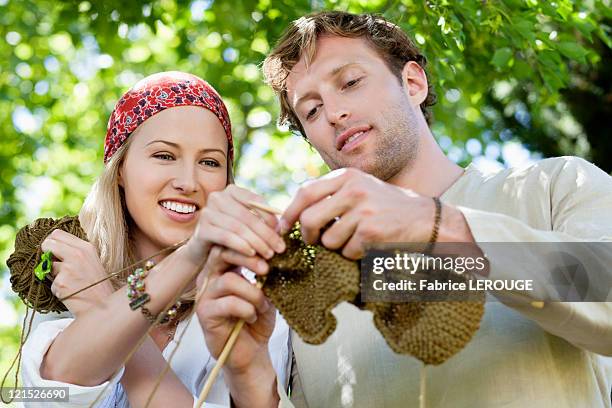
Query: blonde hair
[[105, 219]]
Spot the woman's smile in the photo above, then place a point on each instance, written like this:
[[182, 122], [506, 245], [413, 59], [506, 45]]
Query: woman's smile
[[179, 211]]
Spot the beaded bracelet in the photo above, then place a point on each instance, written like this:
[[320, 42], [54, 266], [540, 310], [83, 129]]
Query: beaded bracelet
[[139, 297]]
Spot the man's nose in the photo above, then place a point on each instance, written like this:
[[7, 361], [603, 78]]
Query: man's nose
[[337, 113], [185, 180]]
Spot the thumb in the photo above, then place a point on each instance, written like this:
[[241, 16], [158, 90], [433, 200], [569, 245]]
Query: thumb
[[214, 266]]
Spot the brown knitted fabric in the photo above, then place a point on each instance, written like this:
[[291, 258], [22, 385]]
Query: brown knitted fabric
[[430, 331], [307, 281], [21, 263]]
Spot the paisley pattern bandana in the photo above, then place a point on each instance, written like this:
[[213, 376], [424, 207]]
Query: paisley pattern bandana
[[155, 93]]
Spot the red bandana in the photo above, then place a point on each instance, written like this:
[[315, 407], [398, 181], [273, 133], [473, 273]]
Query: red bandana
[[156, 93]]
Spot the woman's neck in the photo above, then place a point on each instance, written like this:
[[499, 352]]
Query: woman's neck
[[144, 247]]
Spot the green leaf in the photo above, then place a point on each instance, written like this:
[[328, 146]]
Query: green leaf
[[564, 9], [525, 28], [549, 58], [585, 27], [502, 57], [573, 51]]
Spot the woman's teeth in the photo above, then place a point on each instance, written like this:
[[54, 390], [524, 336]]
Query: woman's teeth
[[178, 207]]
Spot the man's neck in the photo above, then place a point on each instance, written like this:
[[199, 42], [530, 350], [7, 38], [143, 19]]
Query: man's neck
[[432, 173]]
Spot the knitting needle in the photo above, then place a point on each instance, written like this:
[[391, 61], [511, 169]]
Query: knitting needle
[[229, 344], [264, 207], [536, 304]]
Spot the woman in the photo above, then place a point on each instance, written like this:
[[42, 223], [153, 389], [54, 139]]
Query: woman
[[167, 177]]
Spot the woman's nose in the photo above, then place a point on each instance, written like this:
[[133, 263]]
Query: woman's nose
[[185, 180]]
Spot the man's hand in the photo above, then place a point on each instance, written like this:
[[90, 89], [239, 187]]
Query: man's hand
[[75, 266], [366, 209]]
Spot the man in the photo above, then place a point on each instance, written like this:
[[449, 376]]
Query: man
[[356, 88]]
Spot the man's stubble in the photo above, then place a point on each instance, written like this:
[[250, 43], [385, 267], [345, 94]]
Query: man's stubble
[[396, 144]]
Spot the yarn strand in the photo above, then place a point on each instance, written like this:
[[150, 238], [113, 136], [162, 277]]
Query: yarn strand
[[159, 378], [132, 266], [423, 383], [159, 318]]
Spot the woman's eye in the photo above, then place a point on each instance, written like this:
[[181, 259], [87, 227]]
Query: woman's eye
[[209, 162], [163, 156]]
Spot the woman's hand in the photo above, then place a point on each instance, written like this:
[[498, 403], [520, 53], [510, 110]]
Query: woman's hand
[[227, 220], [229, 297], [76, 265]]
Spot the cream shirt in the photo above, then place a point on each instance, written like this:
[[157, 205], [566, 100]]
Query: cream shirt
[[521, 356], [192, 364]]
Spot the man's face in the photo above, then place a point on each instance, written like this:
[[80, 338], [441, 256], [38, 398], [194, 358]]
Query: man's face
[[354, 110]]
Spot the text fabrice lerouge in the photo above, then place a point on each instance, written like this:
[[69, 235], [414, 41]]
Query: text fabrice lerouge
[[476, 284], [411, 263]]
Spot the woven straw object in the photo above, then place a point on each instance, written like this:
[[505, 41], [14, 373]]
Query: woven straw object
[[306, 282]]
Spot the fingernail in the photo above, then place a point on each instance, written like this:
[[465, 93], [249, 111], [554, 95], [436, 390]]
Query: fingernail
[[284, 227], [252, 319], [280, 246], [262, 266], [269, 254]]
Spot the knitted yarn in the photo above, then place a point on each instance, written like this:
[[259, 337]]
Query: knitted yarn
[[306, 282], [35, 293]]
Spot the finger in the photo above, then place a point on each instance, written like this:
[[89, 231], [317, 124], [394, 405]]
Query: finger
[[310, 193], [56, 268], [354, 247], [220, 235], [59, 249], [220, 200], [244, 196], [323, 213], [215, 265], [231, 307], [259, 224], [68, 239], [55, 289], [339, 233], [263, 215], [238, 227], [253, 263], [232, 284]]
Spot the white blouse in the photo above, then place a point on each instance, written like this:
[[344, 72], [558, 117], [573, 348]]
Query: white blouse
[[192, 363]]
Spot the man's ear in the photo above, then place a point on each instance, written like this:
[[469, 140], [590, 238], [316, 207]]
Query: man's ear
[[414, 82]]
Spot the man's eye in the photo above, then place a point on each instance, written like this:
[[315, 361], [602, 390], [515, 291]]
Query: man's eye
[[352, 82], [311, 113], [163, 156]]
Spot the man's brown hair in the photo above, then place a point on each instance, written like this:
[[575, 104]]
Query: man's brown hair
[[386, 38]]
